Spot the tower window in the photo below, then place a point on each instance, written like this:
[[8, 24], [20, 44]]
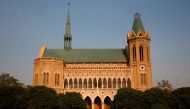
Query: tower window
[[45, 78], [143, 79], [134, 53], [141, 53], [56, 79]]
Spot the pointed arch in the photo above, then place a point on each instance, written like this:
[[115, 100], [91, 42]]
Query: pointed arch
[[70, 83], [134, 53], [99, 83], [95, 83], [124, 83], [104, 83], [128, 83], [119, 83], [97, 103], [107, 102], [141, 52], [90, 83], [65, 83], [80, 83], [75, 83], [85, 83], [114, 83], [88, 102], [109, 83]]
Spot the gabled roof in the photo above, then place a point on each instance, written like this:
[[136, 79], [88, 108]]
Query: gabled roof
[[88, 55]]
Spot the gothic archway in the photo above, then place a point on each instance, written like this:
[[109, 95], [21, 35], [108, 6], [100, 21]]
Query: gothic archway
[[107, 102], [75, 83], [109, 83], [80, 83], [128, 83], [90, 83], [119, 83], [88, 102], [123, 83], [85, 83], [97, 103], [65, 83]]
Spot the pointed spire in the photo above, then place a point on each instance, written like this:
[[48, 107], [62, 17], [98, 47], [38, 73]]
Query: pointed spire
[[137, 24], [68, 36]]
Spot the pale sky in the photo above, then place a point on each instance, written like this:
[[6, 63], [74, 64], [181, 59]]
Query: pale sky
[[27, 24]]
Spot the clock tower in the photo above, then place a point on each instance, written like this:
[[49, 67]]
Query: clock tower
[[139, 55]]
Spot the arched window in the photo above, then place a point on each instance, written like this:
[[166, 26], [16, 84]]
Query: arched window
[[143, 79], [65, 83], [148, 56], [109, 83], [141, 53], [124, 83], [85, 83], [114, 83], [119, 83], [99, 83], [95, 83], [80, 83], [134, 53], [104, 83], [56, 79], [75, 83], [90, 83], [128, 83], [45, 78], [70, 83]]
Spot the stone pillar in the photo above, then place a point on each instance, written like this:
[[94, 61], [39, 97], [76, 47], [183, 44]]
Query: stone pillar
[[92, 105], [102, 105]]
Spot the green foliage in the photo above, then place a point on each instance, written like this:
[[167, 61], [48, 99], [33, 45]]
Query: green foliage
[[71, 100], [182, 98], [39, 97], [157, 96], [165, 85], [129, 98], [7, 80]]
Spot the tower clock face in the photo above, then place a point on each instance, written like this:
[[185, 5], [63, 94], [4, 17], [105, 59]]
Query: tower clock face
[[142, 67]]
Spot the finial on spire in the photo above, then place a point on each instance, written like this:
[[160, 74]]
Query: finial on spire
[[69, 3]]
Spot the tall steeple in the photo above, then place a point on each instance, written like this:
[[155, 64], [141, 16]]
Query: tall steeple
[[67, 36], [137, 24]]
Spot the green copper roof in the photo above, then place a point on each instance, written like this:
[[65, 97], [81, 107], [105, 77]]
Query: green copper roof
[[87, 55], [137, 24]]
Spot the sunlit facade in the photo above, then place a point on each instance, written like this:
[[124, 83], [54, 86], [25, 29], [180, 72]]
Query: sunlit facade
[[96, 73]]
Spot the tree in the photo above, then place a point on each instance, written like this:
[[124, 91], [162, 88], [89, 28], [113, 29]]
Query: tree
[[39, 97], [156, 97], [165, 85], [71, 100], [7, 80], [128, 98], [182, 98], [11, 91]]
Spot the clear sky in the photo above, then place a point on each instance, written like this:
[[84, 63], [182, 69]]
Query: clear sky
[[27, 24]]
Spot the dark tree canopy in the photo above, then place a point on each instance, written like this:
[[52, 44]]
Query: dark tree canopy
[[129, 98], [7, 80], [71, 100], [182, 98], [40, 97]]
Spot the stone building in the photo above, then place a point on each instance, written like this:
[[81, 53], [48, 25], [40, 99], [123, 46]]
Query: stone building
[[96, 73]]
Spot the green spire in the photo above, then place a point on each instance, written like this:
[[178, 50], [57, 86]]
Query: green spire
[[137, 24], [67, 36]]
